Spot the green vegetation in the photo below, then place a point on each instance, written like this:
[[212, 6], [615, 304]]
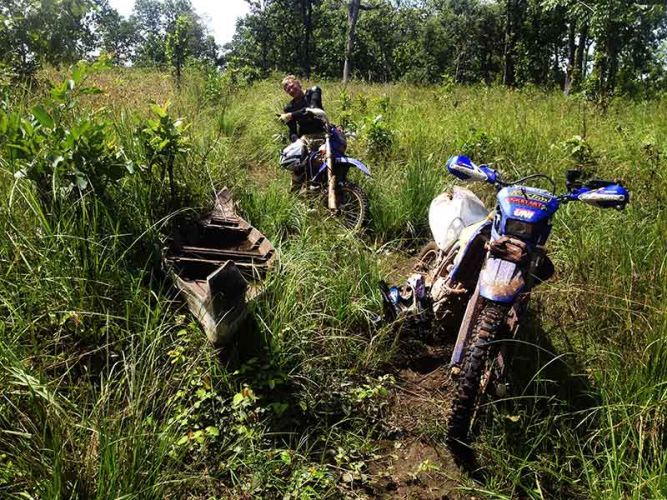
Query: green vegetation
[[108, 388], [598, 47]]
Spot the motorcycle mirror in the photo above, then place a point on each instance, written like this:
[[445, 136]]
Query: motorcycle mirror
[[463, 168]]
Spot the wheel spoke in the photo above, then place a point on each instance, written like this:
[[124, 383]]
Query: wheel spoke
[[351, 207]]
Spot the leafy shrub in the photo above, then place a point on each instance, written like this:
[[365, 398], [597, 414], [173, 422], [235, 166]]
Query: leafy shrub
[[448, 84], [379, 137], [478, 145], [384, 103], [240, 74], [214, 85], [579, 150], [345, 115], [61, 149], [164, 141]]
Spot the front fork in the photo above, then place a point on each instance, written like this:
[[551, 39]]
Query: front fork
[[333, 181], [503, 282], [500, 354]]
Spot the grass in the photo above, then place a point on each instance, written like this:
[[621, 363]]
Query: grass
[[108, 389]]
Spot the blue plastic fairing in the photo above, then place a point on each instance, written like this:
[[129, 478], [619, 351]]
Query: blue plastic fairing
[[343, 160], [611, 196], [463, 168], [525, 212]]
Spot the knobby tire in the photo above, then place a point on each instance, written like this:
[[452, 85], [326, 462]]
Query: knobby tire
[[427, 258], [489, 321], [356, 200]]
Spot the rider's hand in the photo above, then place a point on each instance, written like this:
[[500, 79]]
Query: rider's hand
[[286, 117]]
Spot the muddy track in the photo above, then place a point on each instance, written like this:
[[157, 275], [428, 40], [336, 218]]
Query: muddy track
[[415, 463]]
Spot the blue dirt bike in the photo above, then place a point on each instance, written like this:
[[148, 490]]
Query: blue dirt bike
[[325, 165], [490, 271]]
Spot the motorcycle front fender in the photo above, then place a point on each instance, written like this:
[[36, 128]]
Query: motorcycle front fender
[[344, 160], [501, 281], [340, 160]]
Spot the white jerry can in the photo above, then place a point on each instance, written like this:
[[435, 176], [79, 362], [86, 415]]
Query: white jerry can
[[449, 214]]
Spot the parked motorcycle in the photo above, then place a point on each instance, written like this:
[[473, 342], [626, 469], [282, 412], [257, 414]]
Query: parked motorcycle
[[481, 267], [326, 171]]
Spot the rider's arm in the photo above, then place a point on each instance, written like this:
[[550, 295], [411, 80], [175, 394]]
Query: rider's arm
[[291, 122], [292, 130]]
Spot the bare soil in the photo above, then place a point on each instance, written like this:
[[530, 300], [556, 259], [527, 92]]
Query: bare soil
[[414, 462]]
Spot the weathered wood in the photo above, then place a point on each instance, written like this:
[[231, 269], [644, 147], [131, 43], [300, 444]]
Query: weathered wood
[[215, 263]]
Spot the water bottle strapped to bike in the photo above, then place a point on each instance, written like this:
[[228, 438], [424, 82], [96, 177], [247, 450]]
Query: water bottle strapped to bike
[[326, 170]]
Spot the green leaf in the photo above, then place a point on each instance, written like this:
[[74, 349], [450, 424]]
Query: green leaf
[[77, 72], [43, 117], [91, 91], [199, 436], [4, 123], [279, 408], [237, 399], [158, 110], [286, 457], [81, 182], [212, 431], [58, 92]]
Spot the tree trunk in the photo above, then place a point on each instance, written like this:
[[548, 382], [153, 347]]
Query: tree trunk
[[556, 68], [352, 17], [508, 52], [307, 10], [579, 59], [587, 51], [178, 74], [571, 50], [612, 62]]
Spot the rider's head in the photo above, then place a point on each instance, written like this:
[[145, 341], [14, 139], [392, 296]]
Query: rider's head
[[292, 86]]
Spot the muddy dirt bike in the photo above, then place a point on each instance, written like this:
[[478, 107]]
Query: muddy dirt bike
[[479, 275], [326, 171]]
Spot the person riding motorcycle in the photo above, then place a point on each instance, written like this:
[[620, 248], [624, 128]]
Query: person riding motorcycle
[[300, 122]]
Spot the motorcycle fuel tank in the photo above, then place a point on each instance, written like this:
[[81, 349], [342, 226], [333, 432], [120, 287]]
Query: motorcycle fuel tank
[[449, 215]]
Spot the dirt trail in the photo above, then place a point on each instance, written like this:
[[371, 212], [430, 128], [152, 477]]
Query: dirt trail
[[416, 464]]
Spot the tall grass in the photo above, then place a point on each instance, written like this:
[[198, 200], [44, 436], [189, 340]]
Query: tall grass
[[108, 389]]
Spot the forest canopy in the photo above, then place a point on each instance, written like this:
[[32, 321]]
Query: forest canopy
[[603, 46]]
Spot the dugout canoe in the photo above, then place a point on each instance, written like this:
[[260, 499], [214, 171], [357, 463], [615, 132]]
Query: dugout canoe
[[217, 263]]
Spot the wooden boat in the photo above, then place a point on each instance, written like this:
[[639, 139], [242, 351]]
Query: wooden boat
[[217, 264]]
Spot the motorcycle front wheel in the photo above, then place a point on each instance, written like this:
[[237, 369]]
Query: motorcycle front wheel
[[352, 206], [469, 389]]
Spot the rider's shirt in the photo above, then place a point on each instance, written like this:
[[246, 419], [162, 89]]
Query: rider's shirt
[[301, 124]]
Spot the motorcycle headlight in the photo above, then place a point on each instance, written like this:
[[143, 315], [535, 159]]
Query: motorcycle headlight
[[522, 229]]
